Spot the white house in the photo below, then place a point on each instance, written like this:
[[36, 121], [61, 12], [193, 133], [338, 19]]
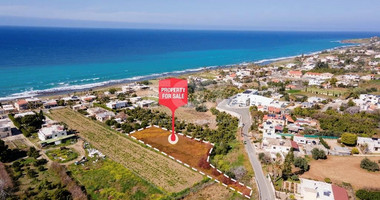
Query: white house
[[268, 130], [315, 99], [117, 104], [103, 116], [317, 190], [373, 144], [145, 103], [51, 131], [316, 82], [368, 102], [299, 139], [24, 114], [135, 99], [88, 98], [5, 127], [274, 146], [8, 108]]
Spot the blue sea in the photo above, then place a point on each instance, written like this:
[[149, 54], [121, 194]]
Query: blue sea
[[41, 60]]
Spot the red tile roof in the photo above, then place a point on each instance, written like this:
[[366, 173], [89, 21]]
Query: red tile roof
[[289, 118], [339, 193], [280, 128], [295, 73], [294, 145], [22, 102]]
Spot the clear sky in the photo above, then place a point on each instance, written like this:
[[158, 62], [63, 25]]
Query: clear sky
[[312, 15]]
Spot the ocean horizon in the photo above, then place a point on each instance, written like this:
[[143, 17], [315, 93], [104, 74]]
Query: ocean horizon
[[35, 61]]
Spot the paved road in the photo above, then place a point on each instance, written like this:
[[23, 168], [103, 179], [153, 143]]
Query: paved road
[[265, 189]]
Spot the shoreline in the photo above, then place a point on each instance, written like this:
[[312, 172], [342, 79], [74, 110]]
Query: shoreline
[[101, 85]]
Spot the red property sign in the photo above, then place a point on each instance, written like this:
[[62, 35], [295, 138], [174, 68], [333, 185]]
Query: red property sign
[[172, 94]]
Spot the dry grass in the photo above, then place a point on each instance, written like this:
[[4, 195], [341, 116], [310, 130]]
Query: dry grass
[[344, 169], [153, 167]]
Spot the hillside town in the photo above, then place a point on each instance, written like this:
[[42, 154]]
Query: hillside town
[[303, 111]]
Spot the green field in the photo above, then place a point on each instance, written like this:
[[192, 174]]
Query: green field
[[106, 179], [62, 155]]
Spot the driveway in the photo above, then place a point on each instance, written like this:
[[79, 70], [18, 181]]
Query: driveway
[[263, 184]]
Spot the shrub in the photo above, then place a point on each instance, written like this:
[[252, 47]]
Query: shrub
[[349, 139], [355, 150], [295, 178], [112, 90], [369, 165], [367, 195], [324, 143], [301, 163], [318, 154], [31, 173], [201, 108], [328, 180]]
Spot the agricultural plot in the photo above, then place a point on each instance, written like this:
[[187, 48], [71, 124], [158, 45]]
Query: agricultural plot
[[153, 167], [189, 152], [18, 143], [117, 182]]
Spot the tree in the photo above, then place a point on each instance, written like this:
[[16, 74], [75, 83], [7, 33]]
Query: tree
[[324, 143], [301, 163], [349, 139], [33, 152], [62, 194], [287, 167], [367, 195], [112, 90], [333, 81], [369, 165], [318, 154], [3, 151], [355, 150]]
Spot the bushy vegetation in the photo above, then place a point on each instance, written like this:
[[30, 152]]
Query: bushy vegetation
[[359, 123], [201, 108], [302, 163], [8, 155], [355, 150], [303, 112], [324, 143], [34, 180], [367, 194], [369, 165], [318, 154], [349, 139], [28, 124]]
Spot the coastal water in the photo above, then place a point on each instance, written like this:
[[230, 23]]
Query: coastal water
[[37, 60]]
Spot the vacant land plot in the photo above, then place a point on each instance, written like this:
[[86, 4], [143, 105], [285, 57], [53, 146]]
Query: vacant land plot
[[186, 150], [117, 182], [162, 171], [189, 151], [344, 169]]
